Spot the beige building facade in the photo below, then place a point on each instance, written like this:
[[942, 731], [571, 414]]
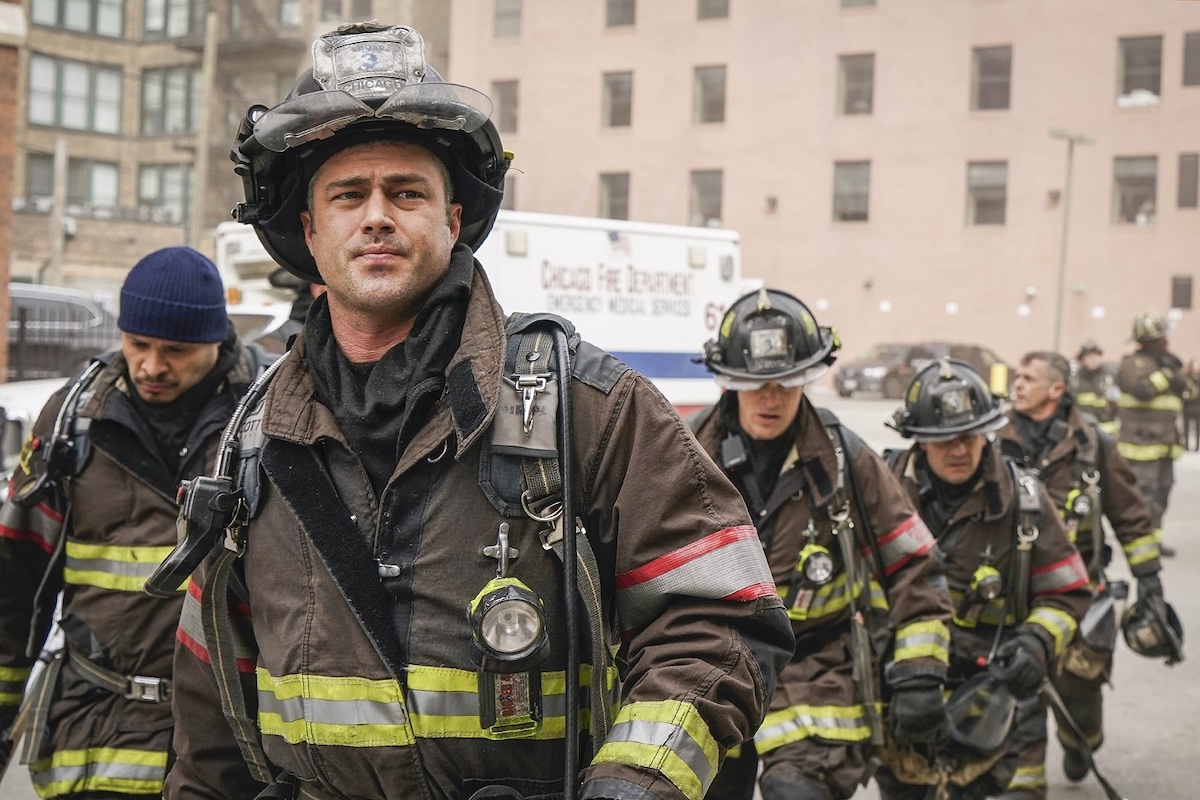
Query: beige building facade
[[890, 162]]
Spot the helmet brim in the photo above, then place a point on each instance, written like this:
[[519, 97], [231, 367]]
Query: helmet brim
[[991, 423]]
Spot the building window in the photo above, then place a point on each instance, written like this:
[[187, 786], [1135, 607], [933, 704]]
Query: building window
[[504, 96], [987, 192], [506, 18], [1189, 171], [101, 17], [170, 100], [712, 9], [331, 10], [617, 108], [91, 185], [1141, 71], [614, 195], [620, 12], [856, 83], [509, 201], [991, 77], [708, 94], [172, 19], [71, 94], [851, 190], [163, 192], [705, 206], [857, 3], [1135, 185], [1191, 59], [1181, 292], [290, 13]]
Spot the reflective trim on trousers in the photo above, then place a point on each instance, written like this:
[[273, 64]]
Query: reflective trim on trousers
[[1143, 549]]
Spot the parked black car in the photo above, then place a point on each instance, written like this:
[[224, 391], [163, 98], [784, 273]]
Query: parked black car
[[888, 368], [53, 331]]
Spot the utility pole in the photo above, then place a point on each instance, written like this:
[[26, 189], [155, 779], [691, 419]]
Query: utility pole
[[52, 272], [1072, 138], [200, 166]]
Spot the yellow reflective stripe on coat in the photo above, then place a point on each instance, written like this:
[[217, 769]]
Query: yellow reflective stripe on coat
[[324, 710], [1143, 549], [122, 568], [665, 736], [12, 685], [829, 599], [1059, 624], [1149, 452], [1160, 381], [843, 724], [928, 638], [444, 702], [440, 702], [1164, 402], [993, 613], [99, 769]]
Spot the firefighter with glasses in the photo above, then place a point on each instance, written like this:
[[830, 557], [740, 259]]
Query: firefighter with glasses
[[1017, 584], [852, 561], [1089, 482], [448, 556]]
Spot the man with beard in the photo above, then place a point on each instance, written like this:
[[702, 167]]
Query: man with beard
[[90, 512]]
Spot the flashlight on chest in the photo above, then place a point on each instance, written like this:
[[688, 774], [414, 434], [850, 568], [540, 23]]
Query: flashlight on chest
[[508, 625]]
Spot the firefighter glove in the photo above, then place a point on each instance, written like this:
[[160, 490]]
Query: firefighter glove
[[1150, 585], [1021, 664], [917, 711]]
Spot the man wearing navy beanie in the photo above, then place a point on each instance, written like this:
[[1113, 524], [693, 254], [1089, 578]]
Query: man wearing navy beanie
[[91, 512]]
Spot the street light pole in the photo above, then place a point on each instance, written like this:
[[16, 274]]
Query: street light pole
[[1072, 138]]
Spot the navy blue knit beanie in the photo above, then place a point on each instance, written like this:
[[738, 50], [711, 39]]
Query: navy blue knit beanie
[[175, 294]]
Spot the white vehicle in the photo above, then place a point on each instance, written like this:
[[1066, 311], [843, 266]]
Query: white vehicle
[[650, 294]]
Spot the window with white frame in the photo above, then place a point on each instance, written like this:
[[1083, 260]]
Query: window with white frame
[[856, 83], [504, 101], [616, 109], [991, 78], [506, 19], [851, 191], [618, 13], [712, 9], [101, 17], [1135, 189], [170, 100], [708, 94], [74, 95], [163, 192], [91, 185], [987, 192], [1141, 71], [172, 19], [290, 13], [705, 202], [614, 195]]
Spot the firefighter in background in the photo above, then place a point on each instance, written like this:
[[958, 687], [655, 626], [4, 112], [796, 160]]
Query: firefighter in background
[[399, 621], [1094, 388], [851, 559], [1154, 386], [1017, 584], [90, 512], [1089, 481]]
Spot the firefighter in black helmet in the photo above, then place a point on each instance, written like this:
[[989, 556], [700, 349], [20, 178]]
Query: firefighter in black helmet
[[423, 509], [1016, 583], [1095, 388], [848, 553]]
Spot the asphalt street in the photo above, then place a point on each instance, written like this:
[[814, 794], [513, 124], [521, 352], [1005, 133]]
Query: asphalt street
[[1152, 711]]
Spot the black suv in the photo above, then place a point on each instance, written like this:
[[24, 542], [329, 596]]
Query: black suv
[[889, 368], [53, 331]]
